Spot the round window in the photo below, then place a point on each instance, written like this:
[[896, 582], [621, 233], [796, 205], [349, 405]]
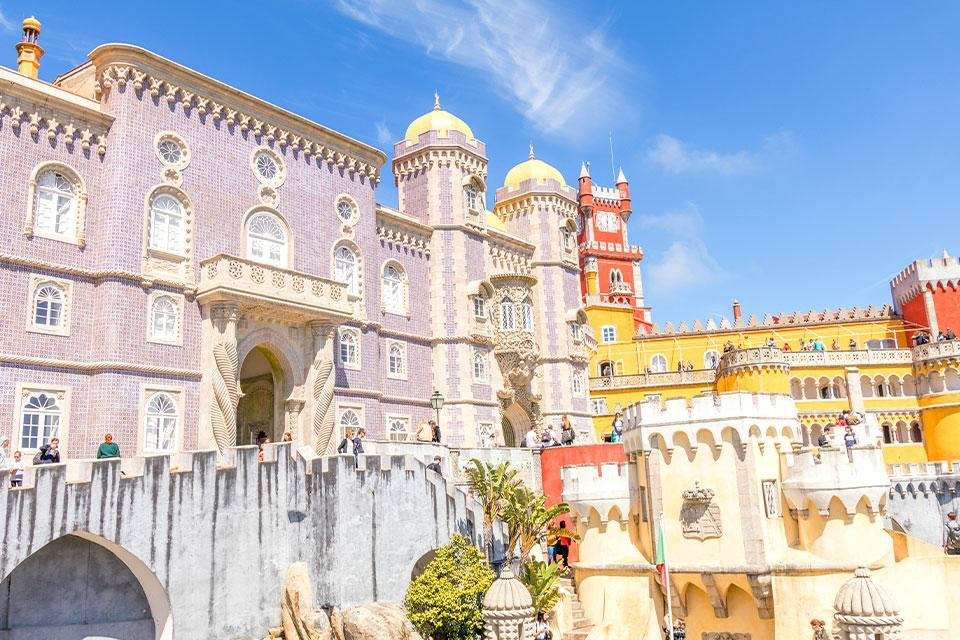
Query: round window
[[170, 151], [345, 210], [266, 166]]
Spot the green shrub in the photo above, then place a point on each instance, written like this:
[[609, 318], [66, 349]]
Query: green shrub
[[446, 601], [542, 580]]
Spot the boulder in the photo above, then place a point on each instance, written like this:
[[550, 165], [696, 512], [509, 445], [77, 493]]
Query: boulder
[[377, 621], [300, 621]]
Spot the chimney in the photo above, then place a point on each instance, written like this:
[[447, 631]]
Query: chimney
[[736, 311], [28, 51]]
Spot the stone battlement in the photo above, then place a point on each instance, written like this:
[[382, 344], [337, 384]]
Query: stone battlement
[[601, 488], [910, 282], [705, 408], [818, 475]]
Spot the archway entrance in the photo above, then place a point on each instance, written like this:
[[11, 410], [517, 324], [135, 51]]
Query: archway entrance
[[49, 595], [515, 423], [260, 409]]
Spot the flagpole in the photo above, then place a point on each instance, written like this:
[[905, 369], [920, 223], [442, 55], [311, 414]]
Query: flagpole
[[666, 579]]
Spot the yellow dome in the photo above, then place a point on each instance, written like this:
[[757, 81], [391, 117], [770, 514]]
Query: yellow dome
[[532, 169], [437, 120], [494, 221]]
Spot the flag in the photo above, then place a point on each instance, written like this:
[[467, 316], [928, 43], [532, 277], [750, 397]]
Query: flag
[[661, 554]]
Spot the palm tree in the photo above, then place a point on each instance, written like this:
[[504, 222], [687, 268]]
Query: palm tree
[[491, 486], [528, 518]]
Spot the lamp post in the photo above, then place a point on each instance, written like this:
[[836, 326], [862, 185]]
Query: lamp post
[[436, 401]]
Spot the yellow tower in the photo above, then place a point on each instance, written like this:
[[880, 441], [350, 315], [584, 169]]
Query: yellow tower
[[936, 366], [28, 51], [756, 370]]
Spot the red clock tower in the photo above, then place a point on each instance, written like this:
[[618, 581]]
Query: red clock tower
[[610, 266]]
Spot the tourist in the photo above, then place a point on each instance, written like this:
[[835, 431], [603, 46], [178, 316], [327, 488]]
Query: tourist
[[771, 342], [818, 345], [949, 334], [819, 629], [4, 452], [551, 548], [531, 441], [849, 438], [48, 453], [616, 432], [286, 437], [728, 347], [803, 344], [824, 440], [435, 465], [260, 451], [940, 336], [786, 346], [261, 438], [567, 434], [436, 431], [679, 631], [548, 439], [347, 439], [852, 344], [563, 544], [358, 442], [425, 431], [108, 448], [16, 469], [835, 345], [841, 420], [541, 630], [951, 544]]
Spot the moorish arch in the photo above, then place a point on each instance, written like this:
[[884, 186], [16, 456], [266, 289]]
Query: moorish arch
[[49, 595], [271, 373], [516, 423]]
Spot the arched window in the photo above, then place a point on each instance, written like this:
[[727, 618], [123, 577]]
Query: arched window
[[711, 359], [658, 363], [507, 320], [479, 366], [397, 360], [394, 290], [41, 420], [55, 204], [605, 368], [796, 389], [267, 239], [608, 333], [472, 197], [479, 306], [48, 301], [349, 348], [616, 277], [163, 319], [888, 433], [161, 421], [345, 268], [567, 236], [398, 428], [916, 433], [166, 224], [349, 420], [526, 314]]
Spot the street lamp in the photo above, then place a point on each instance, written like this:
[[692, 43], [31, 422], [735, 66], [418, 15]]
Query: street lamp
[[436, 401]]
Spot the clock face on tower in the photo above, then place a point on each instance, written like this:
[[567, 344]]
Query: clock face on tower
[[607, 221]]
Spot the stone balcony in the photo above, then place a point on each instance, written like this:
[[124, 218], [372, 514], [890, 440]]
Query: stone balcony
[[937, 352], [800, 359], [621, 288], [817, 476], [650, 380], [271, 290], [751, 357]]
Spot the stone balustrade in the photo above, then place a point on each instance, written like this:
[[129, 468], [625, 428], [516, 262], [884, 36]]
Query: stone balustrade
[[818, 475], [659, 379], [229, 278], [751, 357], [799, 359], [948, 350]]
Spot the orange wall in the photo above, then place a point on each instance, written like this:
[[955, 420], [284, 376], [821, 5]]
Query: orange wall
[[947, 303]]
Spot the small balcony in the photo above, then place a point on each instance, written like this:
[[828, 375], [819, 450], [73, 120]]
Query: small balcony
[[651, 380], [933, 352], [273, 291]]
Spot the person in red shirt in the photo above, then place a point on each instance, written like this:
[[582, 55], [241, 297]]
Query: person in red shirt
[[563, 543]]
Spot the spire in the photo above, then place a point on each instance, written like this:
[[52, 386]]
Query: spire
[[584, 170], [531, 152], [29, 50], [436, 100], [621, 177]]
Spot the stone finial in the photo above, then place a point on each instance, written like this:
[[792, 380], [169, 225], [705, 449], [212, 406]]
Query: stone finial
[[865, 608], [508, 609]]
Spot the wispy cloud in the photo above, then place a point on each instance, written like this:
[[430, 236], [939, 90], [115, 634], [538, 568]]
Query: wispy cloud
[[553, 70], [5, 23], [687, 261], [675, 156], [384, 135]]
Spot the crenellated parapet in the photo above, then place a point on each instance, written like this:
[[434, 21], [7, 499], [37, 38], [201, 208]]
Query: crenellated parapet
[[603, 488], [817, 476]]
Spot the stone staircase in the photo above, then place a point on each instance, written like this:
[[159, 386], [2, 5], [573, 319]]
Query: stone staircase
[[581, 624]]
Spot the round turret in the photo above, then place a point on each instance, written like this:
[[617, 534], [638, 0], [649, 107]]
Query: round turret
[[443, 122], [532, 169]]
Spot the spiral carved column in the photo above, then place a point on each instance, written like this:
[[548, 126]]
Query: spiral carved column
[[226, 385], [324, 378]]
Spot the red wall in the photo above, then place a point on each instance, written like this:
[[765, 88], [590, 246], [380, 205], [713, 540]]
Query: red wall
[[947, 303], [554, 458], [914, 317]]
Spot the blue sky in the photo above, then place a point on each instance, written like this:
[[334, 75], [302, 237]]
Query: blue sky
[[791, 155]]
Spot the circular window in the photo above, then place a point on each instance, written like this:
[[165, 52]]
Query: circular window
[[172, 150], [345, 210], [267, 166]]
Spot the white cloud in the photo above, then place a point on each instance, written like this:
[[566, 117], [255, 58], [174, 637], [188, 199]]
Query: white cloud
[[687, 262], [675, 156], [385, 137], [550, 67], [5, 23]]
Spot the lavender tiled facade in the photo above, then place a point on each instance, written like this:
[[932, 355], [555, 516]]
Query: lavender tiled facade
[[99, 128]]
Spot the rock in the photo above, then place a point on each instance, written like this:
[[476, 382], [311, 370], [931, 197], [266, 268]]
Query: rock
[[377, 621], [336, 624], [299, 620], [275, 632]]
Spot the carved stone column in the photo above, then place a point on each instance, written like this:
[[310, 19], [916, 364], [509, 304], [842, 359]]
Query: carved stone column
[[931, 310], [324, 377], [226, 385]]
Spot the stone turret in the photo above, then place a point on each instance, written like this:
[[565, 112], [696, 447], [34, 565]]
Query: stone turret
[[508, 609]]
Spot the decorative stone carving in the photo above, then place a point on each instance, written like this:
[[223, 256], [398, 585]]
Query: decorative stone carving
[[508, 609], [324, 380], [700, 516], [724, 635], [866, 610], [226, 386]]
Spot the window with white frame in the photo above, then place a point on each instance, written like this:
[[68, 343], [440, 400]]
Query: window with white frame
[[349, 343], [480, 373], [267, 239], [658, 363], [163, 319], [161, 420], [345, 268], [577, 384], [349, 421], [346, 209], [41, 418], [711, 359], [398, 428], [397, 360], [575, 331], [608, 333], [479, 306], [486, 435], [606, 368], [166, 224], [526, 314], [55, 204], [567, 236], [599, 406], [472, 197], [507, 319], [49, 300], [394, 290]]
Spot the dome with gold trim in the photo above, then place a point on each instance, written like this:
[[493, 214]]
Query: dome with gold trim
[[443, 122], [532, 169]]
